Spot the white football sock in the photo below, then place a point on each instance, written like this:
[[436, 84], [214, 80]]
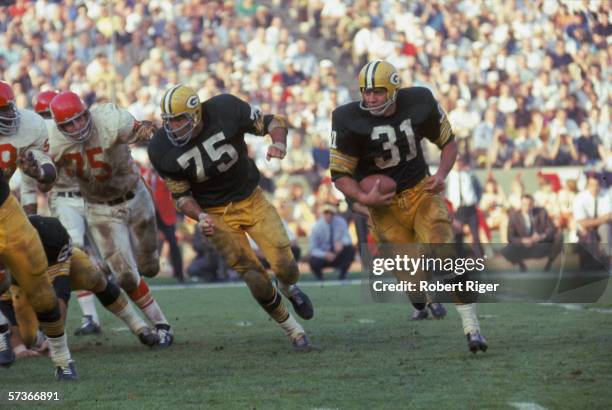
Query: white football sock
[[58, 349], [147, 304], [131, 318], [468, 318], [292, 328], [88, 305]]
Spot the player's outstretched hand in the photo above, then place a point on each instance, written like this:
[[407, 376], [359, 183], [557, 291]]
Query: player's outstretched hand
[[375, 197], [206, 225], [29, 165], [435, 184], [145, 131]]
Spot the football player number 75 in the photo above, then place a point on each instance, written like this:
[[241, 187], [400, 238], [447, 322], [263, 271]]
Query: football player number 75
[[194, 155], [391, 144], [95, 164]]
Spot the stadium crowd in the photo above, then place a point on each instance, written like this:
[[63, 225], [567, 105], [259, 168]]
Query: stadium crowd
[[524, 83]]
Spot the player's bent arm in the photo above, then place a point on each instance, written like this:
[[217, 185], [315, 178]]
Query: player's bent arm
[[189, 206], [349, 187], [277, 128], [589, 223], [142, 131], [447, 158]]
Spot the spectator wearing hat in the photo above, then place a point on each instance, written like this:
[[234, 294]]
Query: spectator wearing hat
[[330, 243]]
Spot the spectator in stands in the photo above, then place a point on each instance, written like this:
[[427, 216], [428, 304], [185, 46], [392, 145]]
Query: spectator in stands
[[483, 133], [589, 147], [531, 234], [494, 205], [593, 215], [464, 191], [330, 243]]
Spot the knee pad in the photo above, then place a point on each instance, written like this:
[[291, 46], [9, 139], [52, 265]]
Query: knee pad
[[61, 284], [109, 295]]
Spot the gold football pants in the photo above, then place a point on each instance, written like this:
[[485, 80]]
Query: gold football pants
[[414, 220], [83, 276], [22, 252], [257, 217]]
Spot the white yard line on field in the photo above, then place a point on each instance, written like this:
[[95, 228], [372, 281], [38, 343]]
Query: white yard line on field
[[241, 284], [526, 405]]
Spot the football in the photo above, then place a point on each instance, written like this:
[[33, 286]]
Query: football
[[387, 184]]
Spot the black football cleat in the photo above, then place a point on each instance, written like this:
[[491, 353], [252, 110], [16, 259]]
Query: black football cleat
[[148, 337], [165, 334], [419, 314], [476, 342], [301, 343], [67, 374], [301, 303], [438, 311], [88, 327], [7, 356]]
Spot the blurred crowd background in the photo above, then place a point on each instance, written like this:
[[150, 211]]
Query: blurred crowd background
[[526, 84]]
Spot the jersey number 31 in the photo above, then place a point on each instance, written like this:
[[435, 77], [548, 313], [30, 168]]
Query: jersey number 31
[[391, 144]]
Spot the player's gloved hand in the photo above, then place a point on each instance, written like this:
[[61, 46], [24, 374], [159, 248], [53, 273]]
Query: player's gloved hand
[[206, 225], [435, 184], [29, 165], [276, 150], [145, 130], [375, 197]]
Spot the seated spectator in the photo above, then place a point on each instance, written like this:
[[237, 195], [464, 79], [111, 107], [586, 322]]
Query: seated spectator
[[501, 153], [590, 148], [483, 133], [464, 191], [330, 244], [531, 234], [562, 150], [593, 215], [546, 195], [208, 265], [566, 197], [493, 205]]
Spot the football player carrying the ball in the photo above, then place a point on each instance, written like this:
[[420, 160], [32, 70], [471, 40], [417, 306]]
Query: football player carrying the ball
[[381, 134]]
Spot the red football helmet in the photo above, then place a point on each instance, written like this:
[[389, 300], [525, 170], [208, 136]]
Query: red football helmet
[[42, 103], [71, 116], [9, 115]]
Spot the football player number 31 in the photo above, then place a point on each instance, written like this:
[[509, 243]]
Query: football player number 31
[[194, 155], [391, 144]]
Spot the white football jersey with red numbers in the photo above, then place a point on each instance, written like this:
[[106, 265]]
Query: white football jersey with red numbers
[[31, 136], [102, 164]]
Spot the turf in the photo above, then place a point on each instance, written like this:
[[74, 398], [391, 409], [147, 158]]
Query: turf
[[227, 354]]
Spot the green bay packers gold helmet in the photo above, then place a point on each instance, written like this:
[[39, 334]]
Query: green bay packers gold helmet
[[179, 102], [379, 74]]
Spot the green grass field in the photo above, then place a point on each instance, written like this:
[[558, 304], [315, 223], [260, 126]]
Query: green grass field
[[227, 354]]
